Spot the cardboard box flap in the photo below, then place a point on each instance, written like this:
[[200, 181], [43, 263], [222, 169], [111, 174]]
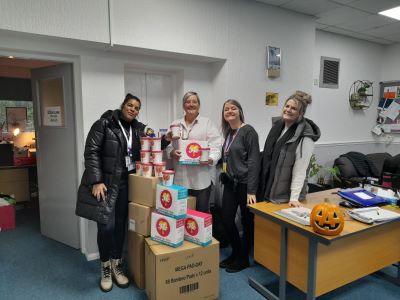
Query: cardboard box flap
[[160, 249]]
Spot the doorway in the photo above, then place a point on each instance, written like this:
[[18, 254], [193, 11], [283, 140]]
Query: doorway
[[54, 139]]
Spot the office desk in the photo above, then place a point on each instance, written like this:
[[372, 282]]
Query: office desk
[[314, 263]]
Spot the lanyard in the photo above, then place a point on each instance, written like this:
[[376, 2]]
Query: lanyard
[[228, 142], [190, 130], [128, 140]]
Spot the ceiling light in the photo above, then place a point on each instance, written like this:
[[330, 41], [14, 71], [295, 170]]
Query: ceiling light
[[393, 13]]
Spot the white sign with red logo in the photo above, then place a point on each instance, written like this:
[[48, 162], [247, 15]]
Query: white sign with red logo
[[198, 227], [167, 230], [171, 200], [191, 151]]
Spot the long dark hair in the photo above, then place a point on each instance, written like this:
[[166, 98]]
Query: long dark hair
[[128, 97], [224, 124]]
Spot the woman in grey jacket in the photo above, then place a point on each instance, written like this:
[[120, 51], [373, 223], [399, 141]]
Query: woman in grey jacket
[[111, 149], [287, 153]]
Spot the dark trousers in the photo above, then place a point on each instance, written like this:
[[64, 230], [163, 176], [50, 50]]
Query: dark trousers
[[202, 199], [235, 196], [110, 237]]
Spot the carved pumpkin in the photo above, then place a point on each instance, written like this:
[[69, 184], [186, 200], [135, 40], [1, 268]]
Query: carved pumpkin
[[327, 219]]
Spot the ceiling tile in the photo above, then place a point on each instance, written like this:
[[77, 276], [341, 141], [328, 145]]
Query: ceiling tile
[[374, 6], [395, 37], [367, 23], [320, 26], [341, 15], [311, 7], [274, 2], [344, 1], [391, 29]]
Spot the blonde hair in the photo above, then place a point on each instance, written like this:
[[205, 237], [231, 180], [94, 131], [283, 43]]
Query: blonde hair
[[302, 99]]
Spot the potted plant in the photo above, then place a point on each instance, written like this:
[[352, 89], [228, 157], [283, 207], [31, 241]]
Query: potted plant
[[319, 171]]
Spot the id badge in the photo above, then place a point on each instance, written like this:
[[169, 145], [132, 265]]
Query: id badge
[[224, 167], [128, 161]]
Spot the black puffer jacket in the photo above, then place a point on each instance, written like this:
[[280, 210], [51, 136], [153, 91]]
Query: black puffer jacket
[[105, 152]]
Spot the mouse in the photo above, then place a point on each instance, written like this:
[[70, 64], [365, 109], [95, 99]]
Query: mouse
[[346, 204]]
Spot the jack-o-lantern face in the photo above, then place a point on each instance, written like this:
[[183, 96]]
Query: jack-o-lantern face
[[327, 219]]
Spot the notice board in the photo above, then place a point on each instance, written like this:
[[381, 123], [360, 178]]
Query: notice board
[[389, 106]]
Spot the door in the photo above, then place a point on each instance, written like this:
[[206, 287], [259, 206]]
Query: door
[[155, 92], [56, 155]]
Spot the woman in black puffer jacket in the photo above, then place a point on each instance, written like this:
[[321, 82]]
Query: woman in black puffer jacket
[[112, 147]]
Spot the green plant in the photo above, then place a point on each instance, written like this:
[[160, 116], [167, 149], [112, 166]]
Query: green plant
[[317, 170], [314, 166]]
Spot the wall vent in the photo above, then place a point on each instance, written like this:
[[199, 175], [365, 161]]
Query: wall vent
[[329, 72]]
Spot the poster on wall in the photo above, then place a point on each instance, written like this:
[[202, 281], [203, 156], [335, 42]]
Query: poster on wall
[[389, 92], [16, 118], [52, 116], [271, 99]]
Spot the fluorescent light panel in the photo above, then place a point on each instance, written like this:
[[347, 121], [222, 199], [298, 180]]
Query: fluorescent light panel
[[393, 13]]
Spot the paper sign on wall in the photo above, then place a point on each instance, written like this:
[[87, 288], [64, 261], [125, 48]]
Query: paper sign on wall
[[52, 116]]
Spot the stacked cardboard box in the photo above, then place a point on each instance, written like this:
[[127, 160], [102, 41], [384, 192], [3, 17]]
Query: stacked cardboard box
[[142, 197], [188, 272], [167, 224]]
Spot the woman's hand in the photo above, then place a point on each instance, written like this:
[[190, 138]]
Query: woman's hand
[[251, 199], [176, 154], [207, 163], [99, 190], [295, 203]]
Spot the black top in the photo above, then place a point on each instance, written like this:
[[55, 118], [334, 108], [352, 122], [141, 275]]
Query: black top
[[243, 157]]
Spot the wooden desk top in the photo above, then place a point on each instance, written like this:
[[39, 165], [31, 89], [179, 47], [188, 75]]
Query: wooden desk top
[[351, 226]]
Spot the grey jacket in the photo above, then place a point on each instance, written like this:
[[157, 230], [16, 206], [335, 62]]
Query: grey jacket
[[280, 190]]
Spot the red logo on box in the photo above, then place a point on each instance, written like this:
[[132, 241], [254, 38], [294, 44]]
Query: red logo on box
[[193, 150], [163, 227], [166, 199], [191, 226]]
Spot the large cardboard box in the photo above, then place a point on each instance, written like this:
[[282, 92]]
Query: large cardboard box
[[136, 268], [142, 190], [140, 218], [191, 202], [189, 272], [7, 215], [172, 200]]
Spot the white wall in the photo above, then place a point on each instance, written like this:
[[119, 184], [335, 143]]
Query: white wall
[[344, 129], [390, 61], [75, 19]]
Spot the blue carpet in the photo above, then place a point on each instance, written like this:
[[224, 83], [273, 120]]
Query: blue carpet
[[35, 267]]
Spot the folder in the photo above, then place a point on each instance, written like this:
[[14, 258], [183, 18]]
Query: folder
[[361, 197]]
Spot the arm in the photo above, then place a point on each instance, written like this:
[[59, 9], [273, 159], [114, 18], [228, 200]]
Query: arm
[[253, 163], [214, 140], [303, 156], [92, 155]]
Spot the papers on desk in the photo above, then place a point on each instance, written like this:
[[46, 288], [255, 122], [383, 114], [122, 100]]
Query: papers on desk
[[371, 215], [298, 214]]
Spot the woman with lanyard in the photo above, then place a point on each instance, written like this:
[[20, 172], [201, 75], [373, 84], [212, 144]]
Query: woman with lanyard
[[111, 149], [197, 178], [240, 170]]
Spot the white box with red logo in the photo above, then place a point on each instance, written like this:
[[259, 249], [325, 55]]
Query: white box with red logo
[[190, 151], [171, 200], [167, 230], [198, 227]]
